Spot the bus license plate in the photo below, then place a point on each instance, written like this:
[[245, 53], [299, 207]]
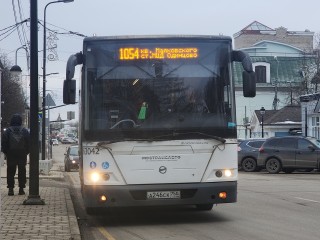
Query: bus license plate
[[163, 194]]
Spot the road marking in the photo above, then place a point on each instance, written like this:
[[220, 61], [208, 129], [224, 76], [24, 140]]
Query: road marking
[[106, 234], [305, 199]]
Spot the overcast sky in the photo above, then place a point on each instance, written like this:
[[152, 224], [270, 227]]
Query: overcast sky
[[143, 17]]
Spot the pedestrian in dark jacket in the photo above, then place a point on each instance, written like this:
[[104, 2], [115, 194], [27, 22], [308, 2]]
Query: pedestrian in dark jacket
[[15, 144]]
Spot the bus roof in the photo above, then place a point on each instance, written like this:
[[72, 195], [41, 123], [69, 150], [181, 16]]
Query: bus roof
[[127, 37]]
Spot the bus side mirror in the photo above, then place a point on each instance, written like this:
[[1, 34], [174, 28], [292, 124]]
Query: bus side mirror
[[69, 91], [249, 84], [69, 85], [248, 76]]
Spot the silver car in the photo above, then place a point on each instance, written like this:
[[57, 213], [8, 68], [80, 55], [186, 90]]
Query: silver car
[[248, 151]]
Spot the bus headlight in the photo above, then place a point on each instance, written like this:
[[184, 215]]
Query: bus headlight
[[224, 173], [95, 177], [228, 173]]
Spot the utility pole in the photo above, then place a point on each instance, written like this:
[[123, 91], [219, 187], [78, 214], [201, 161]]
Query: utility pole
[[276, 100], [34, 197]]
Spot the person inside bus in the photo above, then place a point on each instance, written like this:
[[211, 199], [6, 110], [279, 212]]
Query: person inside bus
[[146, 100]]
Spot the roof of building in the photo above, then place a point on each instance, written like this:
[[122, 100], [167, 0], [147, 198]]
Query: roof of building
[[288, 70], [59, 118], [286, 115], [258, 28], [255, 25]]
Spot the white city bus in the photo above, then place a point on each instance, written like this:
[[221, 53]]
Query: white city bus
[[157, 120]]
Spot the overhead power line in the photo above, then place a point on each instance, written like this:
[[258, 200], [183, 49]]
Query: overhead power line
[[6, 32], [16, 20], [62, 33], [26, 40], [10, 32], [15, 25]]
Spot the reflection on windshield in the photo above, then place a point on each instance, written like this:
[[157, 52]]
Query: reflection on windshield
[[158, 103], [74, 151]]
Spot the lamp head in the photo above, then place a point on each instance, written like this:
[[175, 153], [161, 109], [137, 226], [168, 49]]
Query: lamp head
[[16, 69]]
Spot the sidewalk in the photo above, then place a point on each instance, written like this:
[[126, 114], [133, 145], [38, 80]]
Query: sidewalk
[[54, 220]]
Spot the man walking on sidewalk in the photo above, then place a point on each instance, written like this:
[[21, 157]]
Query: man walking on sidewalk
[[15, 144]]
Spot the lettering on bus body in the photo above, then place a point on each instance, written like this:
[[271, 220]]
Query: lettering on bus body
[[91, 150], [135, 53]]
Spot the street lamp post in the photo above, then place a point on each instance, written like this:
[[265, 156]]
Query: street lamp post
[[275, 100], [16, 67], [43, 154], [262, 112]]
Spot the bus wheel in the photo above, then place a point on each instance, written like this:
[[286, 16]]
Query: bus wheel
[[204, 207]]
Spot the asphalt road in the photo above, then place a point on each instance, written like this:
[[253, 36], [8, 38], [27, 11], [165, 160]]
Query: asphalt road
[[281, 207]]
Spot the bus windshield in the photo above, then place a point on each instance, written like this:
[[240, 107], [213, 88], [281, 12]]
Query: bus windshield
[[151, 87]]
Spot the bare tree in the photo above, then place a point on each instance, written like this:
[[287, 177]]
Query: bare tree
[[12, 98], [309, 74], [311, 67]]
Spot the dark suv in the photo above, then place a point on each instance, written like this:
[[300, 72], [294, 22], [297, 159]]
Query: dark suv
[[71, 159], [248, 151], [289, 153]]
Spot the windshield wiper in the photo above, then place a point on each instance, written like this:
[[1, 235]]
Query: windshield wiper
[[161, 138], [103, 143], [174, 134], [134, 125]]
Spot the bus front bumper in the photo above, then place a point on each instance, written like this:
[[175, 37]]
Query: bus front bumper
[[139, 195]]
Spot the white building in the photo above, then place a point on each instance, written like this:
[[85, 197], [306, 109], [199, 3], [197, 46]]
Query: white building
[[310, 115], [281, 60]]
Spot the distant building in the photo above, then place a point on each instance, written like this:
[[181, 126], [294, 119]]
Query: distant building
[[281, 60], [283, 122], [310, 114], [57, 125], [257, 32]]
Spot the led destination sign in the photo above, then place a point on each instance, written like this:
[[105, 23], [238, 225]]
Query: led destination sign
[[157, 53]]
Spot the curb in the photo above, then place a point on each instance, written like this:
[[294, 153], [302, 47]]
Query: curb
[[73, 223]]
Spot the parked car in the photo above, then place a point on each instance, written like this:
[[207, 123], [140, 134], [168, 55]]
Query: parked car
[[67, 140], [71, 159], [55, 142], [289, 153], [248, 151]]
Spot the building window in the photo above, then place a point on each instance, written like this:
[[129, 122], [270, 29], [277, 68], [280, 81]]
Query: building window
[[262, 70], [261, 73], [315, 127]]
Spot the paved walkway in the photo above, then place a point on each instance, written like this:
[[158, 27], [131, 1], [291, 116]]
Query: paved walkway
[[54, 220]]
